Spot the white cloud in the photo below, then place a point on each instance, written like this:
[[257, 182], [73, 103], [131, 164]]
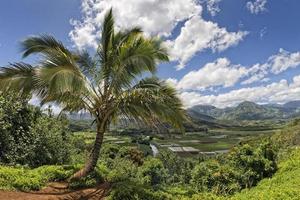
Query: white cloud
[[213, 6], [284, 60], [256, 6], [276, 64], [83, 34], [197, 35], [256, 73], [218, 73], [156, 17], [278, 92], [225, 74]]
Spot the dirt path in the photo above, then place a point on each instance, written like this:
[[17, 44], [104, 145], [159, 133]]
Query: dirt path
[[58, 191]]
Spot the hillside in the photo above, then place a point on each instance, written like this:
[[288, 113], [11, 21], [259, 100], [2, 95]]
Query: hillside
[[285, 184], [249, 111]]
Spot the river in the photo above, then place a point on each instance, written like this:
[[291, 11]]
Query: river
[[154, 150]]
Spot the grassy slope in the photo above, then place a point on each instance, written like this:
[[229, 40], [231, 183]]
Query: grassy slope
[[285, 184]]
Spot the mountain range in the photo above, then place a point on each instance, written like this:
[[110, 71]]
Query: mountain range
[[209, 116], [246, 111]]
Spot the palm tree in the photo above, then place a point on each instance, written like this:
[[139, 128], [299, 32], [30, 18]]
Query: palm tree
[[111, 84]]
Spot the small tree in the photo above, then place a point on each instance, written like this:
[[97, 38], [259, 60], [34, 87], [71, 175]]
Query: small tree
[[109, 85]]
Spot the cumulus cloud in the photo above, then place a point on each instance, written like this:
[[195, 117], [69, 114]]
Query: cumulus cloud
[[218, 73], [197, 35], [284, 60], [276, 64], [278, 92], [157, 17], [225, 74], [256, 6]]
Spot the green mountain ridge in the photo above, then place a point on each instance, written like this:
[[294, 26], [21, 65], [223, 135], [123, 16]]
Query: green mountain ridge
[[249, 111]]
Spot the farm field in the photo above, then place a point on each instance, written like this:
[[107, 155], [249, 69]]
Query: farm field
[[215, 141]]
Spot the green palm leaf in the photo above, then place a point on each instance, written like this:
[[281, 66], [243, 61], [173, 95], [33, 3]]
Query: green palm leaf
[[17, 76]]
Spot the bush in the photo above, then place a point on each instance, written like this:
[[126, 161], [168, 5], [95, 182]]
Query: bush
[[178, 169], [215, 177], [51, 142], [133, 154], [29, 137], [132, 191], [110, 151], [25, 179], [285, 184], [152, 172], [121, 170], [255, 162], [16, 119]]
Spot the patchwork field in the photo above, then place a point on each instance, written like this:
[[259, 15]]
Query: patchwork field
[[188, 144]]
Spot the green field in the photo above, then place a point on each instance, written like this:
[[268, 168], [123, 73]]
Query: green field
[[214, 140]]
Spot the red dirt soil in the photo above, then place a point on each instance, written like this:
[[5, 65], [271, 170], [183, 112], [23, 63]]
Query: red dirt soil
[[59, 191]]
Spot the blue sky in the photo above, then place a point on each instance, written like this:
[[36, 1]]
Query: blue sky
[[223, 52]]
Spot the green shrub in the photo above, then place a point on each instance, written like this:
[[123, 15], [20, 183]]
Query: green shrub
[[30, 137], [121, 170], [178, 168], [255, 162], [51, 142], [110, 151], [289, 136], [31, 179], [215, 177], [285, 184], [152, 172], [133, 154], [132, 191]]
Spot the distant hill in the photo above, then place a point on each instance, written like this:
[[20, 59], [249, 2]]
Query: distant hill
[[247, 111], [205, 116], [208, 116], [80, 116], [292, 104]]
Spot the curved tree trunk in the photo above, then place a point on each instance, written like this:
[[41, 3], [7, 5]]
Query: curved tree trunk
[[93, 158]]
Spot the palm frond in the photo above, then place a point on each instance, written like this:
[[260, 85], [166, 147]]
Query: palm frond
[[40, 44], [152, 99], [18, 77], [134, 57]]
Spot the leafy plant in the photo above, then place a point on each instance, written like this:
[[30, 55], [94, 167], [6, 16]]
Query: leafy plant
[[152, 172], [29, 137]]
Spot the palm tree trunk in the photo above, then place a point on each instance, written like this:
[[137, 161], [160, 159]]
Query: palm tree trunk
[[93, 158]]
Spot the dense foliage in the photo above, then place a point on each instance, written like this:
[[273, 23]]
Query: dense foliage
[[30, 137]]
